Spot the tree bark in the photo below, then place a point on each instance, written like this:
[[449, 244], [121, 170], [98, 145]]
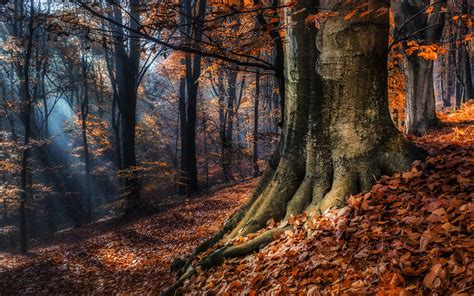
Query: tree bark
[[466, 59], [110, 62], [85, 142], [256, 170], [227, 141], [127, 75], [337, 135], [27, 106], [420, 98], [188, 99]]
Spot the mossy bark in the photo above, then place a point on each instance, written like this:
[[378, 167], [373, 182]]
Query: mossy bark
[[338, 137]]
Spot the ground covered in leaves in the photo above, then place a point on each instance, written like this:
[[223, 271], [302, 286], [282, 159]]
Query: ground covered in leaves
[[412, 234], [113, 257]]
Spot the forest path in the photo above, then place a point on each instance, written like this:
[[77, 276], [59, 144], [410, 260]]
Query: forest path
[[109, 257]]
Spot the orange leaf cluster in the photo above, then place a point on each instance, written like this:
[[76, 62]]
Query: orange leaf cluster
[[428, 52]]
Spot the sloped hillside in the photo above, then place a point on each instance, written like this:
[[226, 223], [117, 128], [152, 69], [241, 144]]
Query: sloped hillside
[[411, 234]]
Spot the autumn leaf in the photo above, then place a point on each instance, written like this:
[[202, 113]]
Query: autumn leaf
[[350, 15]]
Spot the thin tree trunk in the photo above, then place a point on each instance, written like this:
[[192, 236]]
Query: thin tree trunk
[[420, 99], [110, 63], [5, 208], [256, 171], [465, 59], [183, 179], [127, 72], [459, 90], [223, 122], [3, 139], [85, 142], [27, 126], [188, 99]]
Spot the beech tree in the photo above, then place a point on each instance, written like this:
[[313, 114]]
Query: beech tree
[[23, 29], [458, 63], [189, 87], [413, 21], [127, 75], [337, 134]]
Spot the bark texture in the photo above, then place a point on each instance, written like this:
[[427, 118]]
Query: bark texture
[[337, 136], [126, 80], [189, 90], [420, 97], [413, 24]]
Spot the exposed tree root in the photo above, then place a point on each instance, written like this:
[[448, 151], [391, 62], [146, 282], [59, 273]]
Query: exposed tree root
[[337, 138], [229, 251], [284, 192], [182, 265]]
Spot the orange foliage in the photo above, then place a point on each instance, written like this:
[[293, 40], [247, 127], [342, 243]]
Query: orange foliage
[[428, 52], [396, 88]]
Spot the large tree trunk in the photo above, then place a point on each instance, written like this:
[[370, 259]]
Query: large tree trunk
[[337, 135]]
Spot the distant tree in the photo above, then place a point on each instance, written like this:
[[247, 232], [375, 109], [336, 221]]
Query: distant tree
[[192, 16], [127, 69], [415, 21]]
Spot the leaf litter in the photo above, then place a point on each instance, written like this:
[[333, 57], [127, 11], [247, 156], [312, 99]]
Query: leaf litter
[[411, 234]]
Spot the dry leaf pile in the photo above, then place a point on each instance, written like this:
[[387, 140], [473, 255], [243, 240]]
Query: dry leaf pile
[[412, 234]]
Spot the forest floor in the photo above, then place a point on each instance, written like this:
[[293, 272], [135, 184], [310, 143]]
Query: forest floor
[[116, 257], [412, 232]]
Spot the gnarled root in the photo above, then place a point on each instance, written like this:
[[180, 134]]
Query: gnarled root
[[286, 191], [182, 265]]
